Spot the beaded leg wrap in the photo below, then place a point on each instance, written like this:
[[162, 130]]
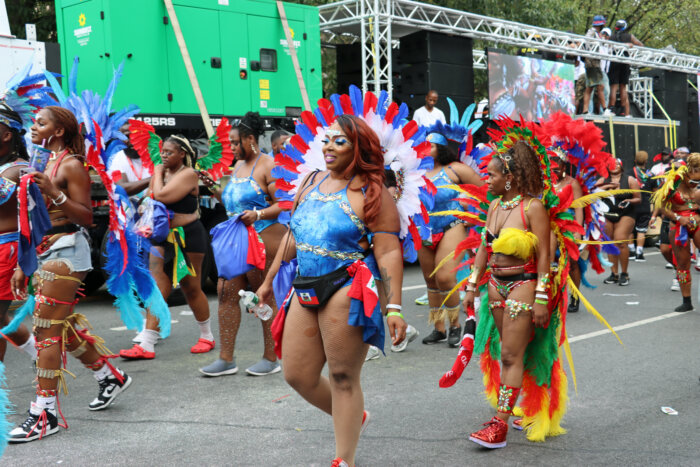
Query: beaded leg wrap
[[683, 276], [507, 396], [438, 313], [516, 307], [494, 304], [50, 373], [453, 312]]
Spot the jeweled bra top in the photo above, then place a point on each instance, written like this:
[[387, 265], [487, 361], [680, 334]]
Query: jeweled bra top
[[327, 232]]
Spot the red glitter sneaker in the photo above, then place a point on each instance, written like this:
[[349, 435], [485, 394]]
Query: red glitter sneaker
[[517, 424], [493, 436]]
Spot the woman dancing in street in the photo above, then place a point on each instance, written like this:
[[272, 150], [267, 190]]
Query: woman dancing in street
[[620, 220], [176, 184], [64, 261], [447, 232], [252, 196], [332, 317], [679, 200]]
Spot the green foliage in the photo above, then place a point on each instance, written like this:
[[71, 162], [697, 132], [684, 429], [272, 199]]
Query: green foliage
[[42, 13]]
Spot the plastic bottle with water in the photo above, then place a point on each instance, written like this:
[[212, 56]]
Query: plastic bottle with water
[[250, 301]]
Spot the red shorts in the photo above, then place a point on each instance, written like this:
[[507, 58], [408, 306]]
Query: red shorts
[[8, 262]]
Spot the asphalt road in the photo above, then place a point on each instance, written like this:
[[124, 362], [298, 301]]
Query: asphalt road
[[173, 415]]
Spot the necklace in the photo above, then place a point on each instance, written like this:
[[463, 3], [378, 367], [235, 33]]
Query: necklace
[[55, 154], [508, 205]]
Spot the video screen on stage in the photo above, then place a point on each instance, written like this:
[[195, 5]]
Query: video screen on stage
[[530, 87]]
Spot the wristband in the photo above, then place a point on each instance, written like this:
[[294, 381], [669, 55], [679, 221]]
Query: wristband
[[393, 306], [394, 313], [541, 302], [257, 213], [471, 288], [678, 218]]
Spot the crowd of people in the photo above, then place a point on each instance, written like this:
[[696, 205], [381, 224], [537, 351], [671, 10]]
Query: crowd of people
[[321, 228], [598, 81]]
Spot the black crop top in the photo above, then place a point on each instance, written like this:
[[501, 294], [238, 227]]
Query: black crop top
[[186, 205]]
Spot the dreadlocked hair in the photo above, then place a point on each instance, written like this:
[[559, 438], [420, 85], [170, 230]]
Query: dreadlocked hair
[[693, 162], [64, 118], [18, 149], [522, 161], [368, 162], [185, 146]]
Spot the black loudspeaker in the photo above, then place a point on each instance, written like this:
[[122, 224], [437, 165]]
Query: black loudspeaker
[[349, 59], [430, 60], [693, 121], [671, 89], [424, 46]]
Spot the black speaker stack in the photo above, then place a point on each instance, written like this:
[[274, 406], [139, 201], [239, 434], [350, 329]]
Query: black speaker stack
[[430, 60], [425, 61], [671, 89]]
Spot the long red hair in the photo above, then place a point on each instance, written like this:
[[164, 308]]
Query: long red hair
[[368, 162]]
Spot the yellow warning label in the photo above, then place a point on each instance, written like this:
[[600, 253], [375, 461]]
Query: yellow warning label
[[264, 84], [82, 19], [264, 94]]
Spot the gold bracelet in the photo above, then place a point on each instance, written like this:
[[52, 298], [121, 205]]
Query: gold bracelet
[[474, 276]]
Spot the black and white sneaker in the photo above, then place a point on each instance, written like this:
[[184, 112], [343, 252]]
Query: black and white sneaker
[[640, 257], [611, 279], [110, 388], [40, 423]]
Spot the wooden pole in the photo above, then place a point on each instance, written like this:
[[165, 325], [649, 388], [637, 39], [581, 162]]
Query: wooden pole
[[293, 53]]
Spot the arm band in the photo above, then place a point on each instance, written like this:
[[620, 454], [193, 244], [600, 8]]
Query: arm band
[[393, 306], [394, 313]]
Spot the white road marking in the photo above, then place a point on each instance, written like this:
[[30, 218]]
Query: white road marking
[[124, 328], [413, 287], [622, 327]]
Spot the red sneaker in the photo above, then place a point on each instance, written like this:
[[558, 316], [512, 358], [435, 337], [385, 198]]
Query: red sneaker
[[203, 346], [493, 436], [136, 353], [365, 421], [517, 424], [338, 462]]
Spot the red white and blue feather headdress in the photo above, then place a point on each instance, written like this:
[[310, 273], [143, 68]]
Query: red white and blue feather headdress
[[403, 143]]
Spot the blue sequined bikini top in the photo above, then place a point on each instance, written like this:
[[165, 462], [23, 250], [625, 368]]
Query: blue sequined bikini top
[[244, 193], [7, 186], [444, 198], [327, 232]]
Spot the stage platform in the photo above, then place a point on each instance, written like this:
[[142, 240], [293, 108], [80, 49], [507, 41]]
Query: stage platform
[[630, 135]]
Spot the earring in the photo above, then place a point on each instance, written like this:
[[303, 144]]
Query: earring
[[252, 148], [508, 185]]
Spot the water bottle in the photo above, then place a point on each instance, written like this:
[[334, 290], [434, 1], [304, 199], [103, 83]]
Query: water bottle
[[250, 301]]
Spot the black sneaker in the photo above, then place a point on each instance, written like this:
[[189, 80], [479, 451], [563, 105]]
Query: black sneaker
[[35, 426], [611, 279], [684, 307], [454, 336], [435, 337], [640, 257], [624, 279], [573, 305], [110, 388]]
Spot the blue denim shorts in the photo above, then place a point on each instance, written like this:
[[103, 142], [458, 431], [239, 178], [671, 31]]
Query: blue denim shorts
[[72, 250]]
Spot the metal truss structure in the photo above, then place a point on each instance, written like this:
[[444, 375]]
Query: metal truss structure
[[378, 24], [639, 91]]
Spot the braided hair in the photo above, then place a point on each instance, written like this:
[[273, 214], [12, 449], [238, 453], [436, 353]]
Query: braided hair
[[185, 146], [18, 150]]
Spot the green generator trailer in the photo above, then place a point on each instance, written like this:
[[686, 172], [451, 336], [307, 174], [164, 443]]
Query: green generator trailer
[[238, 49]]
